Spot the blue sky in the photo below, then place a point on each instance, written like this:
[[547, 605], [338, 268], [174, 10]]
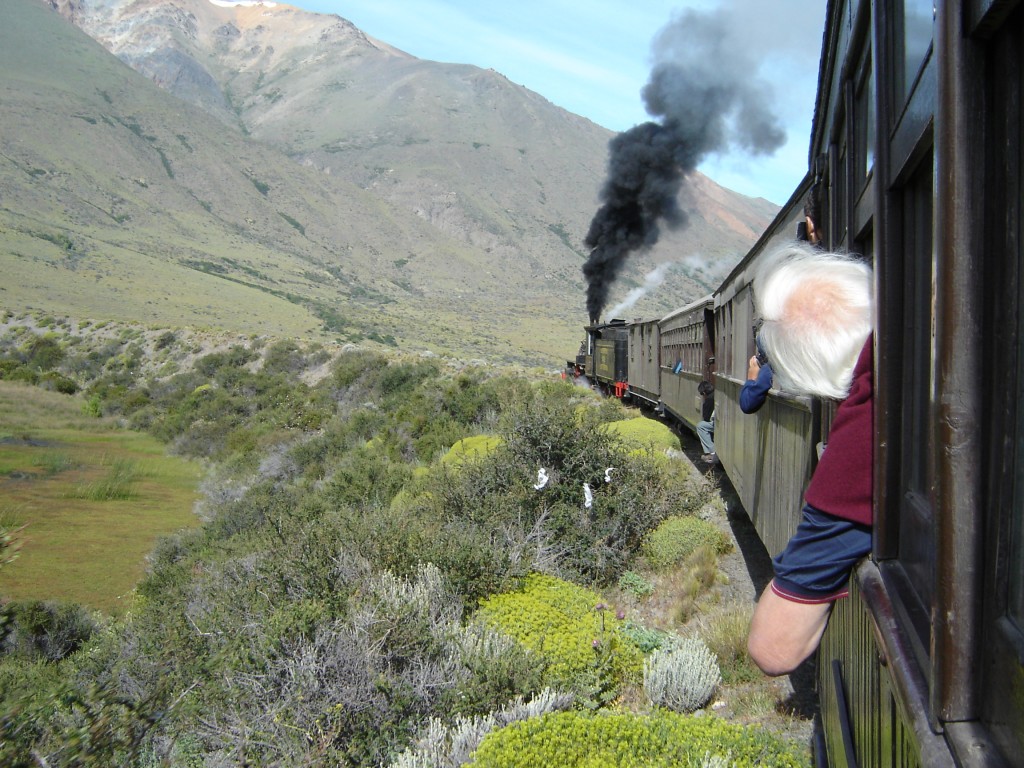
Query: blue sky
[[594, 57]]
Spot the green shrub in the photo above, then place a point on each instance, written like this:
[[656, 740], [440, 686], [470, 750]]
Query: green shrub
[[678, 537], [43, 353], [93, 407], [442, 745], [232, 359], [399, 379], [552, 525], [641, 433], [46, 630], [164, 340], [8, 366], [53, 719], [284, 357], [471, 399], [350, 367], [471, 449], [58, 383], [635, 584], [366, 476], [662, 739], [572, 629], [682, 677], [497, 670], [644, 638], [22, 373]]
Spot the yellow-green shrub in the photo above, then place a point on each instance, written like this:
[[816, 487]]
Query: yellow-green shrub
[[678, 537], [572, 629], [471, 449], [642, 433], [620, 740]]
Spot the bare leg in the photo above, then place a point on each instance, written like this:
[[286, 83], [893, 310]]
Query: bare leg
[[784, 633]]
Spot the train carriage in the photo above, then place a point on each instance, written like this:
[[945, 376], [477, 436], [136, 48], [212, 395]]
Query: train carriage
[[644, 362], [687, 359]]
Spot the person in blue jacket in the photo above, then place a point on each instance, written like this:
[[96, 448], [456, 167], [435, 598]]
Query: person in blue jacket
[[759, 380]]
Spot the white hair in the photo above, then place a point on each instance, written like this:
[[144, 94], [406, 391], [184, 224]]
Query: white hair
[[817, 313]]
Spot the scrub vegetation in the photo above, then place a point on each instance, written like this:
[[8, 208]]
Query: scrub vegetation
[[359, 593]]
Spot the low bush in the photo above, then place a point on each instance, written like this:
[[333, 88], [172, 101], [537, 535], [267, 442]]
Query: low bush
[[644, 638], [497, 668], [551, 523], [449, 746], [573, 630], [694, 580], [635, 584], [470, 449], [662, 739], [644, 433], [678, 537], [46, 630], [682, 676], [58, 383]]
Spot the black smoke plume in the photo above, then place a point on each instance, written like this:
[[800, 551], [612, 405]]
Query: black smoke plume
[[706, 95]]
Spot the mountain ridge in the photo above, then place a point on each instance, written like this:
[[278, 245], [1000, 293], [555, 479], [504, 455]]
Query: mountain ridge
[[368, 196]]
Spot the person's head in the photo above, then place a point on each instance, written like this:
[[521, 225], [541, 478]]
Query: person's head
[[817, 311], [705, 388]]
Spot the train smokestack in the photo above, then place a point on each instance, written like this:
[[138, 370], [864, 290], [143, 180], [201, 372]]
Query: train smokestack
[[706, 95]]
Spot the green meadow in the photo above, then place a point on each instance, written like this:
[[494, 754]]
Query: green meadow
[[89, 497]]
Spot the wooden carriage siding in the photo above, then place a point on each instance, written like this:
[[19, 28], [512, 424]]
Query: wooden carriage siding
[[865, 686]]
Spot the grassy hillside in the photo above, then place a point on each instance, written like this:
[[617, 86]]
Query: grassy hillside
[[122, 202]]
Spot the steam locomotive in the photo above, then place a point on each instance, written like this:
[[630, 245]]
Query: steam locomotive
[[915, 163]]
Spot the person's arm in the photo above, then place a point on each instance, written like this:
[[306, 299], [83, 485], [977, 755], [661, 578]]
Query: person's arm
[[755, 391], [784, 633], [753, 368]]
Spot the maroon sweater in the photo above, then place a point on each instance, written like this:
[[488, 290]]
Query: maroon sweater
[[841, 484]]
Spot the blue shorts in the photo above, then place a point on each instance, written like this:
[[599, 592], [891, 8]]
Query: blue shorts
[[815, 566]]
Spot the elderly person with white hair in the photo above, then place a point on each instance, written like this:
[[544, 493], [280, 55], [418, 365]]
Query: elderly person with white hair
[[817, 332]]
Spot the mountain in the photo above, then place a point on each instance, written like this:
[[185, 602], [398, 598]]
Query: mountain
[[269, 170]]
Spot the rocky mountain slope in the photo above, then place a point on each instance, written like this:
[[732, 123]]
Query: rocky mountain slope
[[270, 170]]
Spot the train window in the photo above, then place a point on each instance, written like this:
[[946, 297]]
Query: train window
[[916, 519], [865, 117], [1015, 548], [918, 21], [840, 180], [1015, 603]]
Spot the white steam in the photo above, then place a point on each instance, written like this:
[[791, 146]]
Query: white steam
[[652, 280]]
